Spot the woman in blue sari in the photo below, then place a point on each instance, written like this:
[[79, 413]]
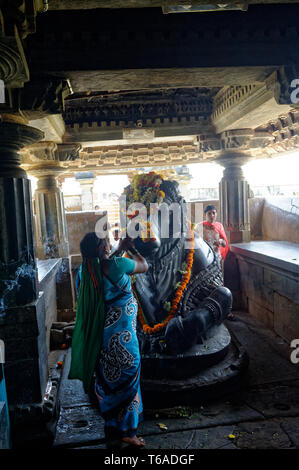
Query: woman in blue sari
[[105, 340]]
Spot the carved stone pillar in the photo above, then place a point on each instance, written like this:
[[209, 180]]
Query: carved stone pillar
[[234, 202], [233, 188], [44, 160], [17, 260], [87, 193], [51, 230], [22, 322]]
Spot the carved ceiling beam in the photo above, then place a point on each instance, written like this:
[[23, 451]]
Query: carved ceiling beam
[[138, 115], [201, 148], [119, 157], [95, 131], [248, 106], [91, 4]]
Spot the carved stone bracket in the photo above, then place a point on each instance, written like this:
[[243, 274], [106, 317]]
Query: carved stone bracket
[[44, 95], [17, 20], [285, 132], [248, 106], [41, 159], [21, 13], [234, 142], [13, 65], [68, 152], [46, 158]]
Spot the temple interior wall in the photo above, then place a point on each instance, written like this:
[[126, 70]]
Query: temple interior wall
[[260, 285], [270, 294], [78, 224]]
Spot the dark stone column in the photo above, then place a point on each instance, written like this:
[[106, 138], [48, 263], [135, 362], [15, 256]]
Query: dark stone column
[[237, 148], [234, 201], [22, 322], [17, 260]]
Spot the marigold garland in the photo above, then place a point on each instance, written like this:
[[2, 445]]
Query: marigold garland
[[176, 300], [145, 189]]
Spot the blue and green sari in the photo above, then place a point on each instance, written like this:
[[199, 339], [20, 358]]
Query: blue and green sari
[[117, 365]]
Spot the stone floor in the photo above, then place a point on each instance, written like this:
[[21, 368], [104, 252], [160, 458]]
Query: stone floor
[[264, 416]]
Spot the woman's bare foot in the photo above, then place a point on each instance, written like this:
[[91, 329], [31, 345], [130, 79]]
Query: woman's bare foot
[[134, 441]]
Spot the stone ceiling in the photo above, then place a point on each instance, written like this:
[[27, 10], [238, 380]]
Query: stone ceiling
[[89, 4], [146, 88]]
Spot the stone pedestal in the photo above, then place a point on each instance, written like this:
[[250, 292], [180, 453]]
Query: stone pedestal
[[23, 331]]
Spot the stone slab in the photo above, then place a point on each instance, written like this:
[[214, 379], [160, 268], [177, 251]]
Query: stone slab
[[291, 427], [266, 363], [280, 254], [261, 313], [286, 317], [262, 435], [209, 438], [47, 268], [26, 369], [220, 414], [71, 392], [275, 400], [79, 425], [65, 291], [282, 284]]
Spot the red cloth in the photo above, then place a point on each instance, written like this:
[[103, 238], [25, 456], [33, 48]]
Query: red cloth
[[220, 229]]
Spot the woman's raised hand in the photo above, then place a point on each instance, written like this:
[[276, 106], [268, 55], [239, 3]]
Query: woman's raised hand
[[126, 243]]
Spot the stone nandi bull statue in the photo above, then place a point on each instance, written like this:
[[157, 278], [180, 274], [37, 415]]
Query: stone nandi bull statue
[[182, 302]]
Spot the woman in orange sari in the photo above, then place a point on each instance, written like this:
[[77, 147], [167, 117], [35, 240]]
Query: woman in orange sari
[[214, 234]]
